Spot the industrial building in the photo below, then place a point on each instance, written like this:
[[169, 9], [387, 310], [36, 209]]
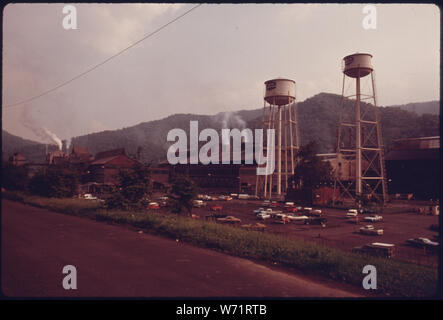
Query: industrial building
[[413, 167]]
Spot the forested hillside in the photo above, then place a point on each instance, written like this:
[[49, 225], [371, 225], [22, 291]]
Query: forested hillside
[[318, 119]]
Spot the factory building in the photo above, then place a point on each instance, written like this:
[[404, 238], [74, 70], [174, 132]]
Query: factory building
[[107, 164], [413, 167]]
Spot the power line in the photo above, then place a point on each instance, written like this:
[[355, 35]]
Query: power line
[[101, 63]]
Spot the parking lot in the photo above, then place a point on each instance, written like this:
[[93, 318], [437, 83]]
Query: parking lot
[[339, 232]]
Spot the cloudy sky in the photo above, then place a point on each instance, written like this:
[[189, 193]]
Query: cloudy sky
[[214, 59]]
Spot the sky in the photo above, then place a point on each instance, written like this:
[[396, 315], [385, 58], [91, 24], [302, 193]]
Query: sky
[[214, 59]]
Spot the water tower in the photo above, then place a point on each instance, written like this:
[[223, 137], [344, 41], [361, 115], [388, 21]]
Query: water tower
[[360, 171], [280, 114]]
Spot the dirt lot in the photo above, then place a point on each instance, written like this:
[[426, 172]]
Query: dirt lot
[[339, 232]]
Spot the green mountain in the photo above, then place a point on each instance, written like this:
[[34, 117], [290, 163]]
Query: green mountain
[[34, 151], [318, 119], [420, 108]]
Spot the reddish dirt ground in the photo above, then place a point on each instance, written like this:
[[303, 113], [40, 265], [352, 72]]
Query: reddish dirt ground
[[339, 232], [115, 261]]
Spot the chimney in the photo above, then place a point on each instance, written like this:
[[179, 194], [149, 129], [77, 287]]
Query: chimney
[[64, 146]]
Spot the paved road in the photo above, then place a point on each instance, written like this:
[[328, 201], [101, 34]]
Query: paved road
[[114, 261]]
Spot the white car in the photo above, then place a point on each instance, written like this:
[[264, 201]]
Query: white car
[[351, 213], [297, 218], [89, 196], [198, 203], [263, 216], [374, 218], [257, 211], [316, 212], [369, 229]]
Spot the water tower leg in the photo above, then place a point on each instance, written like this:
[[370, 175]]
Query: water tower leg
[[279, 152], [285, 145], [358, 182], [259, 179]]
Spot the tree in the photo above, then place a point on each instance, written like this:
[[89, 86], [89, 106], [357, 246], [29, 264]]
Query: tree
[[14, 177], [183, 191], [311, 172], [132, 189], [54, 182]]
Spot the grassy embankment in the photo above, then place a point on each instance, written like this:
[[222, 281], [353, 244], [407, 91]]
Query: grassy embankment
[[394, 278]]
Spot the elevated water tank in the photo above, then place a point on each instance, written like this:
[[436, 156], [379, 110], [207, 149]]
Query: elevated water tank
[[280, 91], [357, 65]]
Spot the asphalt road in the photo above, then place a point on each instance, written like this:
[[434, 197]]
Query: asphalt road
[[115, 261]]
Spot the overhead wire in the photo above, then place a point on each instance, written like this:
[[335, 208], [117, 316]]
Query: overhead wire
[[101, 63]]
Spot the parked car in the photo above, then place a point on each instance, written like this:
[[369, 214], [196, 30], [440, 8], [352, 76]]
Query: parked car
[[297, 218], [163, 203], [316, 220], [307, 209], [213, 216], [153, 205], [273, 204], [316, 212], [257, 211], [216, 208], [266, 203], [289, 204], [243, 196], [204, 197], [198, 203], [225, 198], [263, 215], [281, 218], [422, 243], [292, 209], [377, 249], [272, 212], [351, 214], [89, 196], [374, 218], [368, 211], [369, 229], [229, 219]]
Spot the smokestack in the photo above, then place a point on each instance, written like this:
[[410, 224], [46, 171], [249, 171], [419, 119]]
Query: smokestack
[[64, 146]]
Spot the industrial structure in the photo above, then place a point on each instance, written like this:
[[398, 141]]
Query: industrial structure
[[280, 114], [359, 143], [413, 167]]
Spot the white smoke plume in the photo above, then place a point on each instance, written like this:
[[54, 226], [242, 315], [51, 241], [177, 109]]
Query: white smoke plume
[[53, 137], [44, 134], [231, 120]]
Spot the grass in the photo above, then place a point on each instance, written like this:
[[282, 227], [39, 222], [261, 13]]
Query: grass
[[394, 278]]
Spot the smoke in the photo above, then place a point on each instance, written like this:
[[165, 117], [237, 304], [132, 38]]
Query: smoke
[[231, 120], [53, 137], [44, 134]]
